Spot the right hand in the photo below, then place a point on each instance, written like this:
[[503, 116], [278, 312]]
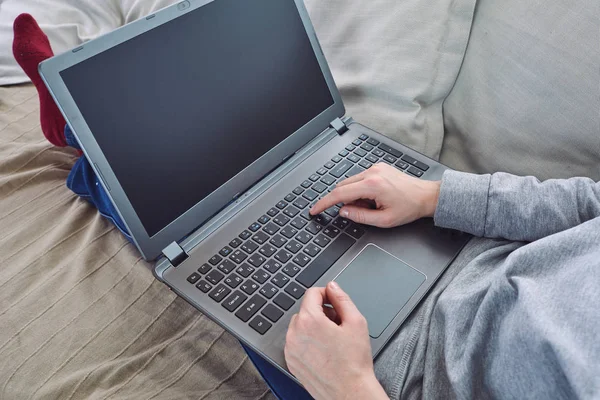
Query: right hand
[[398, 198]]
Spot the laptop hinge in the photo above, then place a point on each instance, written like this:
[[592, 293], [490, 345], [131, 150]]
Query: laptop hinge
[[339, 126], [175, 254]]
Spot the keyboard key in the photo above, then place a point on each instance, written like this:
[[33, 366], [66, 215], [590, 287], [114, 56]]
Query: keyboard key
[[341, 223], [260, 325], [354, 158], [323, 219], [250, 308], [280, 280], [332, 211], [264, 219], [414, 171], [284, 301], [360, 152], [294, 290], [225, 251], [219, 293], [363, 137], [281, 219], [310, 195], [204, 286], [325, 260], [193, 278], [291, 270], [340, 169], [254, 227], [401, 165], [389, 159], [306, 184], [415, 162], [289, 232], [303, 237], [343, 153], [350, 147], [234, 301], [301, 259], [249, 287], [261, 276], [214, 277], [226, 266], [235, 242], [312, 250], [293, 246], [372, 159], [298, 223], [313, 227], [329, 164], [354, 171], [365, 164], [290, 197], [245, 235], [356, 231], [322, 240], [272, 266], [366, 147], [357, 142], [319, 187], [390, 150], [298, 191], [271, 312], [314, 177], [249, 247], [273, 212], [306, 214], [336, 159], [238, 256], [214, 260], [283, 256], [271, 228], [204, 269], [268, 291], [278, 241], [267, 250], [328, 180], [331, 231], [233, 281], [373, 142], [281, 205], [322, 171], [291, 211], [260, 237], [301, 203], [257, 260], [378, 153], [245, 270]]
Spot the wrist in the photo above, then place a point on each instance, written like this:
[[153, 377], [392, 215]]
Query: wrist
[[369, 388], [432, 196]]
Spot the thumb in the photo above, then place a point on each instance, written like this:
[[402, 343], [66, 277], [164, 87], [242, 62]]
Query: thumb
[[342, 304], [363, 215]]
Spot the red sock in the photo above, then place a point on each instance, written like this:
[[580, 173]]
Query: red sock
[[30, 47]]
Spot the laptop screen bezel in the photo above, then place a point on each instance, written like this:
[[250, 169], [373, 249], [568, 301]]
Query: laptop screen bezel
[[152, 246]]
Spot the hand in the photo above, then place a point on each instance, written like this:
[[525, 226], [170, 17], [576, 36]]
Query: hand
[[329, 351], [398, 198]]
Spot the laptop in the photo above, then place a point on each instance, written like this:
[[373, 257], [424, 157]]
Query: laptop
[[214, 126]]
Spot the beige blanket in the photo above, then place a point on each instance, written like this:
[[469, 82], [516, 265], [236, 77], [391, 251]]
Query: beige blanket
[[81, 315]]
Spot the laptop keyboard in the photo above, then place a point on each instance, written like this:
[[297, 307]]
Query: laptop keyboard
[[261, 273]]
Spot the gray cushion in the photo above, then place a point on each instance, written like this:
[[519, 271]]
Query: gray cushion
[[527, 99]]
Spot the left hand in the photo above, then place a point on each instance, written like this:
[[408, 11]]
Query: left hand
[[329, 351]]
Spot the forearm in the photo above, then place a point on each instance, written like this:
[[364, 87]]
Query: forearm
[[515, 208]]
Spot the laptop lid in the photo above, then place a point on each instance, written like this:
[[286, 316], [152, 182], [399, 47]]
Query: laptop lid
[[185, 109]]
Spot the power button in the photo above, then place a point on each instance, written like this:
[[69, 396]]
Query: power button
[[184, 5]]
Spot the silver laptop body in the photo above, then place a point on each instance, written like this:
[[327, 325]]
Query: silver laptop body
[[214, 125]]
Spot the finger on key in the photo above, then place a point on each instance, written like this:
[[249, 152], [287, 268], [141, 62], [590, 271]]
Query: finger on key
[[343, 194]]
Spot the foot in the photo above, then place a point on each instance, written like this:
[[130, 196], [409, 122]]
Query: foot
[[30, 47]]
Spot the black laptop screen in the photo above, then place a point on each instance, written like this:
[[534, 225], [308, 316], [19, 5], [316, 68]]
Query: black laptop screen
[[184, 107]]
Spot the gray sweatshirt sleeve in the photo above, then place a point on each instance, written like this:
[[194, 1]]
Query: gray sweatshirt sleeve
[[515, 208]]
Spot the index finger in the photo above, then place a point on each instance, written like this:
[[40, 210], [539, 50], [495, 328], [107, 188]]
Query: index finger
[[343, 194]]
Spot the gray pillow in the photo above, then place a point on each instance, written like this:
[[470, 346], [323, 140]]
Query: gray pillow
[[527, 98]]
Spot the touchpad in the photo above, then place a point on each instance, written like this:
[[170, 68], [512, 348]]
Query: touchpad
[[380, 285]]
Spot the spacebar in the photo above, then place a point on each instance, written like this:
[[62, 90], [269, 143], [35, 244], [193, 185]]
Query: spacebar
[[325, 260]]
